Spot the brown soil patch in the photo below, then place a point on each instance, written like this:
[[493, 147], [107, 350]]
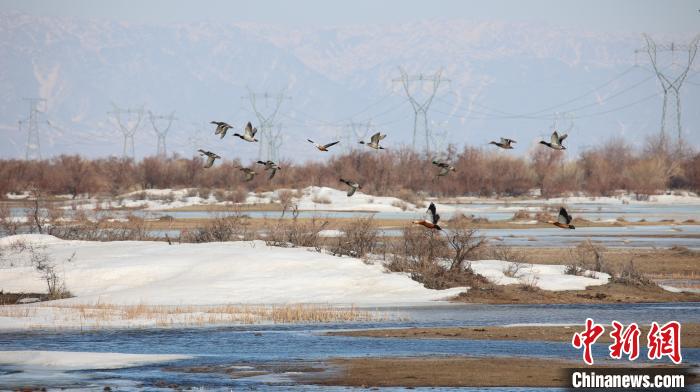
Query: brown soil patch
[[609, 293], [657, 263], [448, 372], [690, 333]]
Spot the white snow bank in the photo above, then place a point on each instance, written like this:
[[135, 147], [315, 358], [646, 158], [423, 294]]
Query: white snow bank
[[674, 289], [331, 233], [544, 276], [155, 273], [69, 360], [330, 199]]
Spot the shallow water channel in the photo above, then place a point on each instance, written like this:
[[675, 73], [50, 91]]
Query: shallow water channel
[[285, 347]]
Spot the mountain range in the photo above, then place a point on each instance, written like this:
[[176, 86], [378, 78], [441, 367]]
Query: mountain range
[[497, 79]]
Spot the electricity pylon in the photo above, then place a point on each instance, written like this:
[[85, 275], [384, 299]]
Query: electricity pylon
[[161, 132], [129, 127], [421, 107], [355, 131], [33, 148], [195, 139], [671, 84], [266, 121], [274, 143]]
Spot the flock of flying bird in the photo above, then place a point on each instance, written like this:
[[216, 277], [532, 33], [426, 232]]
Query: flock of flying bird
[[556, 140]]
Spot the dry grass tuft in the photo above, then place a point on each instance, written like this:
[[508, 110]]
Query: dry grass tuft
[[110, 315]]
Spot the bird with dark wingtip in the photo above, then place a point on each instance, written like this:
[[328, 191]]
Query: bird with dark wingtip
[[352, 184], [322, 147], [249, 173], [563, 220], [445, 168], [211, 157], [555, 141], [433, 216], [505, 143], [248, 134], [374, 141], [271, 166], [221, 128]]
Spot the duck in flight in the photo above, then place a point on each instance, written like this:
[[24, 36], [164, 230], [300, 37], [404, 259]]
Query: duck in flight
[[433, 217], [374, 141], [555, 141], [353, 186], [271, 166], [563, 220], [221, 128], [249, 134], [505, 143], [445, 168], [322, 147], [211, 157], [249, 173]]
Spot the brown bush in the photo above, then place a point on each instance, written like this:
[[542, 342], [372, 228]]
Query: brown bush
[[399, 172], [359, 237]]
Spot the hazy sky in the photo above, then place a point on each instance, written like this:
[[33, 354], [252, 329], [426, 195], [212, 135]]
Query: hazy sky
[[654, 16]]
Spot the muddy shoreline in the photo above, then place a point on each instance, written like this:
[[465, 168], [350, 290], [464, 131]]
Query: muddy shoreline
[[690, 333]]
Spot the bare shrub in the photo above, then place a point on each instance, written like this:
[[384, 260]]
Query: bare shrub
[[513, 269], [530, 283], [321, 200], [220, 229], [237, 195], [521, 215], [409, 196], [434, 260], [44, 264], [631, 276], [286, 198], [358, 239], [219, 195], [9, 225], [465, 243], [587, 255], [400, 204], [103, 229], [295, 232]]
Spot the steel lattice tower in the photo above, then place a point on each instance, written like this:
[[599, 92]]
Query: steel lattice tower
[[33, 148], [671, 85], [357, 130], [266, 121], [161, 132], [129, 127], [420, 108]]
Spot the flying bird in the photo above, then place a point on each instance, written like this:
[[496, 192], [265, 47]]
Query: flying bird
[[249, 173], [555, 141], [433, 216], [505, 143], [211, 157], [322, 147], [271, 166], [221, 128], [249, 134], [374, 141], [445, 168], [353, 186], [563, 220]]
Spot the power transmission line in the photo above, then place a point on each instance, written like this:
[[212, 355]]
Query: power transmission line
[[161, 132], [128, 127], [266, 121], [33, 147], [420, 108], [670, 85]]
